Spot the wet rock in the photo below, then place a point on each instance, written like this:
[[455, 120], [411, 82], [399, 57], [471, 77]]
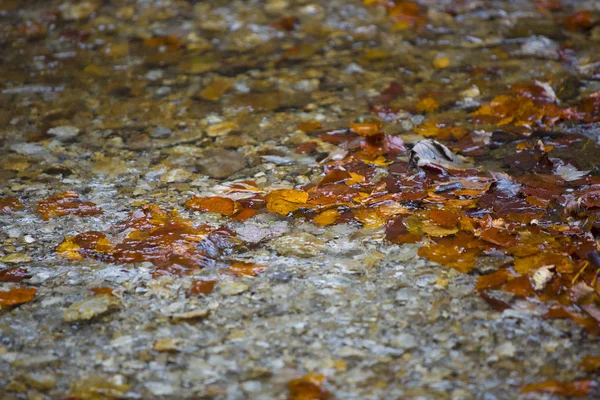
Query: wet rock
[[220, 163], [404, 341], [159, 388], [80, 10], [221, 129], [176, 175], [190, 315], [160, 132], [540, 47], [28, 149], [15, 258], [90, 308], [298, 244], [232, 288], [40, 381], [64, 133], [167, 345]]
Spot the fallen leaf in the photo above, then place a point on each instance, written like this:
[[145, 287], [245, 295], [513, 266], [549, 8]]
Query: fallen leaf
[[17, 295], [285, 201]]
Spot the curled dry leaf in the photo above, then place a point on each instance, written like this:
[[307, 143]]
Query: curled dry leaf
[[431, 152]]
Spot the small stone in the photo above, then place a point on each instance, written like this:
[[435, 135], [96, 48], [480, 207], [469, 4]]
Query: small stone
[[190, 315], [79, 11], [404, 341], [221, 163], [541, 47], [298, 244], [160, 132], [176, 175], [16, 386], [90, 308], [159, 388], [28, 149], [232, 288], [221, 129], [167, 345], [506, 350], [15, 258], [64, 132], [40, 381]]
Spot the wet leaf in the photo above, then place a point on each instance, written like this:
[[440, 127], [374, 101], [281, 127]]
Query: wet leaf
[[309, 387], [9, 204], [14, 274], [285, 201], [215, 204], [202, 287], [241, 268], [67, 203], [580, 388], [17, 295]]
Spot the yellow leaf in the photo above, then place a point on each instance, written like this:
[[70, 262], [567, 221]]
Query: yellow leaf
[[369, 218], [285, 201], [68, 249], [327, 217]]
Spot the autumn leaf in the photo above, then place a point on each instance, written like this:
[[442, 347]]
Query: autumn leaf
[[580, 388], [365, 128], [241, 268], [202, 287], [9, 204], [17, 295], [285, 201], [215, 204], [67, 203], [327, 217], [309, 387]]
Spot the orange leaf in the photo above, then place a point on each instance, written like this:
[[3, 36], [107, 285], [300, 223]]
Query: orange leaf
[[67, 203], [443, 218], [17, 295], [202, 287], [8, 204], [428, 104], [579, 21], [103, 290], [216, 204], [241, 268], [590, 363], [327, 217], [285, 201], [365, 128], [309, 387], [580, 388], [244, 214]]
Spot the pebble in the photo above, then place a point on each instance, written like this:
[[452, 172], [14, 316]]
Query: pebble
[[540, 46], [160, 132], [298, 244], [190, 315], [404, 341], [64, 132], [15, 258], [232, 288], [90, 308], [40, 381], [159, 388], [176, 175]]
